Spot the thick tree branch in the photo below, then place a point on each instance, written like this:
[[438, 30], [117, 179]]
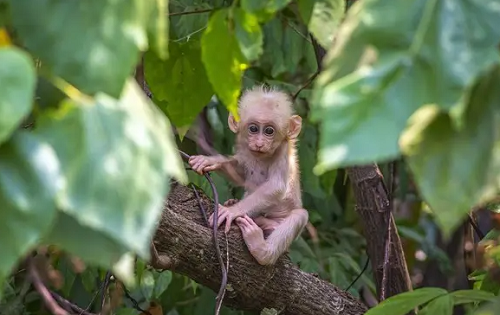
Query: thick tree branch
[[185, 242]]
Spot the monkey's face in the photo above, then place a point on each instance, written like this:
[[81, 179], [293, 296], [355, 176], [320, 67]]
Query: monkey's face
[[262, 139]]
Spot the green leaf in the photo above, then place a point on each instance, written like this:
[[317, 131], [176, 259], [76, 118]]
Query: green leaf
[[403, 303], [147, 284], [307, 156], [117, 157], [223, 60], [435, 150], [274, 54], [189, 26], [293, 45], [17, 89], [442, 305], [176, 80], [248, 34], [387, 62], [96, 247], [159, 28], [93, 45], [29, 179], [265, 9], [162, 282], [323, 18], [471, 296]]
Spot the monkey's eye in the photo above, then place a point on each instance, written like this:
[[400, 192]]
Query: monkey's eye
[[269, 131], [253, 128]]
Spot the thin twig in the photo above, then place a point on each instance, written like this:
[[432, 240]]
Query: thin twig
[[222, 290], [387, 247], [134, 301], [44, 292], [202, 208], [308, 82], [190, 12], [69, 305], [103, 288], [359, 275]]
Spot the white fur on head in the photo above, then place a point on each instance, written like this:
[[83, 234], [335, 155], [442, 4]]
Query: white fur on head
[[262, 98]]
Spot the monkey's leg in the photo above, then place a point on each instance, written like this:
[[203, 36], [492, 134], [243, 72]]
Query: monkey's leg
[[267, 251]]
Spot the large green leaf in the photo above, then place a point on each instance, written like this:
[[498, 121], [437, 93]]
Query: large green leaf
[[391, 58], [116, 156], [29, 179], [323, 18], [442, 305], [17, 89], [223, 59], [455, 169], [403, 303], [93, 44], [249, 34], [181, 81]]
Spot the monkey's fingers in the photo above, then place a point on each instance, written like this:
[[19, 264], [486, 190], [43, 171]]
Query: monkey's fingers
[[211, 167], [250, 221], [243, 227], [222, 217], [229, 220]]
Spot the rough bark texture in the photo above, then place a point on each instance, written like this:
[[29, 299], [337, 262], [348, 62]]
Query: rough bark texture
[[185, 243], [372, 205]]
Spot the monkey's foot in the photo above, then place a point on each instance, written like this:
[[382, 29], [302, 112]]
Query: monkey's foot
[[254, 238], [230, 202]]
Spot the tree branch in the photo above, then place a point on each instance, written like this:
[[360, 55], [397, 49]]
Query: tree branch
[[183, 237]]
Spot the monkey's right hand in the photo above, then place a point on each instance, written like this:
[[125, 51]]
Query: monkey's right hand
[[201, 163], [227, 214]]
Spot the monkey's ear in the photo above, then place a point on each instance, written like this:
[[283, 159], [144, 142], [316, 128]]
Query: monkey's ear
[[295, 125], [233, 124]]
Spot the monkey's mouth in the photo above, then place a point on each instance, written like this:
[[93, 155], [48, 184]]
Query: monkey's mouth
[[257, 151]]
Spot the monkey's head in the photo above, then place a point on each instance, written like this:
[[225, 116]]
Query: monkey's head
[[266, 121]]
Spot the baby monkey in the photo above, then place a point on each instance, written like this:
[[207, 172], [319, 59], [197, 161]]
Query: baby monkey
[[270, 214]]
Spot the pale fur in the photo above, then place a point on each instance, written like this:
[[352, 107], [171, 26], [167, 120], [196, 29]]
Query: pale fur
[[272, 180]]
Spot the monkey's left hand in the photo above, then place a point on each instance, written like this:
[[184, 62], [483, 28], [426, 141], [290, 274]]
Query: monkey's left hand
[[226, 213]]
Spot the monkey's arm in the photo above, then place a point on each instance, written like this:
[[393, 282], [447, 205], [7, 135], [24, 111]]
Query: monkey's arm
[[228, 166]]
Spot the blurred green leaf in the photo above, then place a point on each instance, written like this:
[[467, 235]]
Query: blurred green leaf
[[17, 89], [435, 149], [390, 61], [181, 81], [223, 60], [470, 296], [323, 18], [158, 29], [117, 156], [29, 178], [248, 34], [442, 305], [265, 9], [94, 45], [403, 303], [147, 284]]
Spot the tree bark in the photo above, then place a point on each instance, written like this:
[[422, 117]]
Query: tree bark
[[372, 205], [185, 245]]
